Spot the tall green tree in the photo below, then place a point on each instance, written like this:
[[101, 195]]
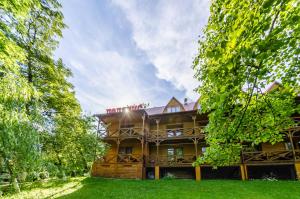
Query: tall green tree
[[246, 46], [40, 115], [19, 143]]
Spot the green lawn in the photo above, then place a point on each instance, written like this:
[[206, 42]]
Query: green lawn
[[110, 188]]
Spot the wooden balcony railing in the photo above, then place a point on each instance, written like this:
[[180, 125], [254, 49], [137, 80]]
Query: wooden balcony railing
[[174, 160], [122, 158], [282, 156], [122, 132], [177, 133], [108, 159], [130, 158]]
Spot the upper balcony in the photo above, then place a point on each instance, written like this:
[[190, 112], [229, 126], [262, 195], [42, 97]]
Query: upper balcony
[[132, 132], [175, 134]]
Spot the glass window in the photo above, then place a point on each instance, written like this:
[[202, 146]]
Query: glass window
[[175, 153], [173, 109], [171, 154], [179, 152], [125, 150], [174, 130]]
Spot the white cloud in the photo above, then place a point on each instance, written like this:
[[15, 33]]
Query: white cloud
[[167, 31]]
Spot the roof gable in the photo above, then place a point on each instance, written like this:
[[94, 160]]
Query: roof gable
[[173, 103]]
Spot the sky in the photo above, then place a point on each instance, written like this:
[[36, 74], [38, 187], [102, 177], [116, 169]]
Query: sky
[[125, 52]]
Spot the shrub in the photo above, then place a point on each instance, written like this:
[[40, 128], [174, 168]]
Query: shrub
[[33, 176], [61, 175], [169, 176], [22, 177], [44, 175]]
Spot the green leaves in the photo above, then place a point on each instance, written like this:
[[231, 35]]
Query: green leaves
[[40, 117], [246, 46]]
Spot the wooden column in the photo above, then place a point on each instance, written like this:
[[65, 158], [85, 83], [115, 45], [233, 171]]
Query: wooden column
[[157, 141], [196, 147], [244, 172], [119, 126], [292, 144], [194, 120], [118, 146], [157, 173], [297, 169], [143, 117], [198, 173]]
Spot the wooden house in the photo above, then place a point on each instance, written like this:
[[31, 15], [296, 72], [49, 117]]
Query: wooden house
[[164, 141]]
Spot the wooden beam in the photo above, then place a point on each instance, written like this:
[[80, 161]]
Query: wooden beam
[[297, 169], [198, 173], [244, 172], [157, 175]]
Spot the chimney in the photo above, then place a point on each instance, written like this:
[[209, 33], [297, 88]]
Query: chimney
[[185, 101]]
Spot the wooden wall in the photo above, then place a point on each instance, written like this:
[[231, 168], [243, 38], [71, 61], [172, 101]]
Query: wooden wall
[[188, 149], [275, 147], [130, 171]]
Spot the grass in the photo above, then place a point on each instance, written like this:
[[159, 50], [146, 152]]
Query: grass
[[112, 188]]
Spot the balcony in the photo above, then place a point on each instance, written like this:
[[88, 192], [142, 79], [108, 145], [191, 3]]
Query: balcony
[[178, 133], [121, 158], [171, 161], [260, 157], [133, 132]]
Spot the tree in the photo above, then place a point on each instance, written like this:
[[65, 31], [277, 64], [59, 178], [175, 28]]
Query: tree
[[37, 102], [246, 46], [18, 131]]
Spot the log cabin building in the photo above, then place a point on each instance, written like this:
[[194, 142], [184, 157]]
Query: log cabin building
[[164, 141]]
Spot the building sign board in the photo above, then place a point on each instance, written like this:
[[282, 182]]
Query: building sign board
[[127, 108]]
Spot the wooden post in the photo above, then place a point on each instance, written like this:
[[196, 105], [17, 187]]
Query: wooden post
[[198, 173], [142, 142], [157, 152], [297, 169], [194, 120], [119, 126], [143, 117], [244, 172], [157, 173], [292, 144], [118, 146], [196, 147], [157, 141]]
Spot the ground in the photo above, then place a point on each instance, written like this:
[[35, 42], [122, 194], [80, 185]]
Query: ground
[[113, 188]]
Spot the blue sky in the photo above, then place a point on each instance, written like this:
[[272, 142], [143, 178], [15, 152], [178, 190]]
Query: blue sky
[[130, 52]]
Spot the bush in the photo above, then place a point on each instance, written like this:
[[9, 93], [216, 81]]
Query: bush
[[52, 169], [44, 175], [169, 176], [33, 176], [61, 175], [22, 177]]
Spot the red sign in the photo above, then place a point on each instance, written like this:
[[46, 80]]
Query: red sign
[[127, 108]]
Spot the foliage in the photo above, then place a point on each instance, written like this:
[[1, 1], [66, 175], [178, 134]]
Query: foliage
[[246, 46], [73, 151], [19, 133], [41, 123]]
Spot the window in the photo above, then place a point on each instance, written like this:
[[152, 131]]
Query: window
[[175, 153], [125, 150], [174, 130], [173, 109]]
